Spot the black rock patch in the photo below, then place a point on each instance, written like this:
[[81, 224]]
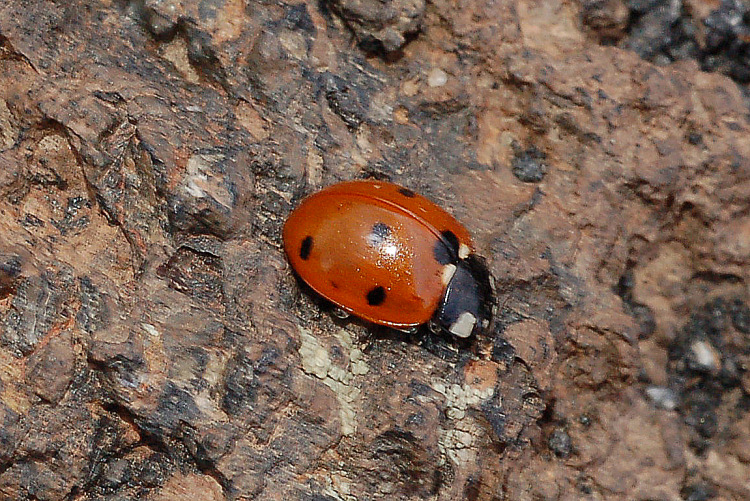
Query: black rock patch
[[529, 165]]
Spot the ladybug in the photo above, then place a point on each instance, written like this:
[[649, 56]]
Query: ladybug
[[390, 256]]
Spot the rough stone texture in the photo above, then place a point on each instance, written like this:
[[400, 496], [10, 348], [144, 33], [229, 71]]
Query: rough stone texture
[[715, 33], [154, 343], [381, 26]]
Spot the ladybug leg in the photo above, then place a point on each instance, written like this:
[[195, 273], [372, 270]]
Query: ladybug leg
[[340, 313], [410, 330], [434, 326]]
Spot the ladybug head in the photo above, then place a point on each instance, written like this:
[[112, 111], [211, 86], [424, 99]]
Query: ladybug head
[[466, 307]]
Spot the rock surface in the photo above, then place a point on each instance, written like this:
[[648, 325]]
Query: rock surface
[[155, 345]]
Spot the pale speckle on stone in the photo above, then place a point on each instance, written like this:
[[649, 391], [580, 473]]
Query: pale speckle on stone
[[705, 355], [437, 78], [317, 362], [151, 330], [662, 397], [199, 184], [456, 440], [455, 413], [315, 358]]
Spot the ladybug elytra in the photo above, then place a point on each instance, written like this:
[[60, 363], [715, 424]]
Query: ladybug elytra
[[390, 256]]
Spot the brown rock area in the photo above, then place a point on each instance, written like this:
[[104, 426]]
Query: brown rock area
[[155, 345]]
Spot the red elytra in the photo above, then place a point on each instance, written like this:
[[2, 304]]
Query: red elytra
[[388, 255]]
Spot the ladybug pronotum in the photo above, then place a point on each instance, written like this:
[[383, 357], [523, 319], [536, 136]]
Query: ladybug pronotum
[[390, 256]]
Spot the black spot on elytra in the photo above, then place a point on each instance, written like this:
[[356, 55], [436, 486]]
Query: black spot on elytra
[[376, 296], [407, 192], [446, 249], [334, 284], [378, 234], [306, 248]]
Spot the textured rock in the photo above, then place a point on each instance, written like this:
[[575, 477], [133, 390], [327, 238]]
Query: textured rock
[[154, 343], [381, 26]]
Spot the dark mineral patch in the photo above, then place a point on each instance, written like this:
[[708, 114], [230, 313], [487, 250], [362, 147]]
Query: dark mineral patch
[[663, 31], [706, 365], [529, 165]]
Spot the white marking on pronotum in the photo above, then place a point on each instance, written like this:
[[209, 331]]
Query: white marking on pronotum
[[448, 271], [463, 251], [464, 325]]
